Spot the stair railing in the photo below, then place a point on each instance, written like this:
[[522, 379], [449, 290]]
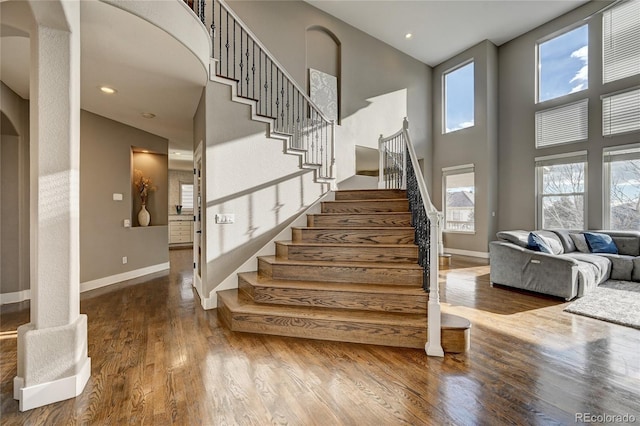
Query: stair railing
[[399, 170], [241, 57], [198, 8]]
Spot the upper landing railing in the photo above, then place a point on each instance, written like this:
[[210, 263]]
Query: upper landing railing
[[242, 58], [399, 170]]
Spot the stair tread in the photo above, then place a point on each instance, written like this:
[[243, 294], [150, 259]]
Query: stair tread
[[239, 304], [378, 200], [353, 228], [353, 245], [261, 281], [236, 304], [358, 213], [370, 265]]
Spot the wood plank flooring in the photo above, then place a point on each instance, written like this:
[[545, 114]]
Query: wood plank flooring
[[158, 358]]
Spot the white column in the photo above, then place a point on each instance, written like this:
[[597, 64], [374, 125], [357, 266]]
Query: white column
[[53, 364]]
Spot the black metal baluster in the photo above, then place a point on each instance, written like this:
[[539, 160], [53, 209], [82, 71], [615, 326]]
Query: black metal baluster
[[259, 78], [253, 69], [247, 66], [241, 65], [288, 114], [213, 30]]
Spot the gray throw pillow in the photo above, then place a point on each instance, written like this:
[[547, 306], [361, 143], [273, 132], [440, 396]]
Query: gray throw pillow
[[580, 242]]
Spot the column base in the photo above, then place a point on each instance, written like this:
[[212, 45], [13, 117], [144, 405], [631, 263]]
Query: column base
[[52, 364]]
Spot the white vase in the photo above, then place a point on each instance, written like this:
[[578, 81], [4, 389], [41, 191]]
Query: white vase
[[143, 216]]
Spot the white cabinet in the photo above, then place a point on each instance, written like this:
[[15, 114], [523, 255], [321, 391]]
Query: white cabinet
[[180, 231]]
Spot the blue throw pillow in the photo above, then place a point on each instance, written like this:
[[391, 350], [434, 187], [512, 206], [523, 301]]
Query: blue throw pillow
[[600, 243], [537, 243]]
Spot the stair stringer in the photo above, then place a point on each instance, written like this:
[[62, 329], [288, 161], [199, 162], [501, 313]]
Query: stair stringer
[[270, 122]]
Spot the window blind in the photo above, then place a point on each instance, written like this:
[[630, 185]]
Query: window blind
[[621, 41], [186, 195], [567, 158], [564, 124], [621, 153], [621, 112]]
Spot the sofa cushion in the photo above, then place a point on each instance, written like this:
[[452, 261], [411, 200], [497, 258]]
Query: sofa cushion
[[518, 237], [565, 239], [545, 241], [600, 243], [635, 274], [580, 242], [627, 245], [621, 266], [593, 270]]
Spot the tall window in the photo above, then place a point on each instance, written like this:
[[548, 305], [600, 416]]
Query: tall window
[[459, 202], [621, 41], [459, 98], [561, 191], [186, 196], [563, 64], [622, 187]]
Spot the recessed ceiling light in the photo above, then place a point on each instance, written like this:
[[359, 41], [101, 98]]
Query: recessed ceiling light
[[408, 35], [146, 151], [108, 90], [148, 115], [177, 153]]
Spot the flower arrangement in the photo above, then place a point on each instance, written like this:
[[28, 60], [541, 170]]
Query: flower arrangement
[[143, 184]]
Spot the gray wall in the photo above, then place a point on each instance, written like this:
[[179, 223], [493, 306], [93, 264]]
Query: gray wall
[[14, 192], [517, 132], [379, 84], [106, 168], [474, 145], [248, 175]]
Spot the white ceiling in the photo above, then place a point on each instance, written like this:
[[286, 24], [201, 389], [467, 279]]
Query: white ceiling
[[442, 29]]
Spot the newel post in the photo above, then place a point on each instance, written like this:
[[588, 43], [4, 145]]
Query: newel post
[[434, 343], [380, 162]]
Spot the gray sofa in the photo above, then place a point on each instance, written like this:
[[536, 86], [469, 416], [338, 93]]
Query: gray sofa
[[571, 270]]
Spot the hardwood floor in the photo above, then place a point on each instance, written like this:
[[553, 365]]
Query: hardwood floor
[[158, 358]]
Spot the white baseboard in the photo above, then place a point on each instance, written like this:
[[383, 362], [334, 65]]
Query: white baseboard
[[113, 279], [18, 296], [47, 393], [482, 254]]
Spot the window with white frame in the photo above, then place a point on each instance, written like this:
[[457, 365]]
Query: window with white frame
[[186, 195], [621, 112], [564, 124], [459, 198], [622, 187], [459, 98], [561, 191], [563, 64], [621, 41]]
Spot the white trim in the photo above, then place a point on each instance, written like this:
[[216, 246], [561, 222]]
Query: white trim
[[482, 254], [452, 168], [47, 393], [564, 155], [16, 297], [113, 279]]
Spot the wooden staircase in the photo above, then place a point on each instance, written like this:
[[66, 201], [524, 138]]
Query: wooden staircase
[[351, 275]]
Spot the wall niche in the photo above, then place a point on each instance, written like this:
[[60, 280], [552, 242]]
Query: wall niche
[[153, 169]]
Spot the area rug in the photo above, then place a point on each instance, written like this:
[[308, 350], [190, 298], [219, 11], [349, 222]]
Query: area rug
[[613, 301]]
